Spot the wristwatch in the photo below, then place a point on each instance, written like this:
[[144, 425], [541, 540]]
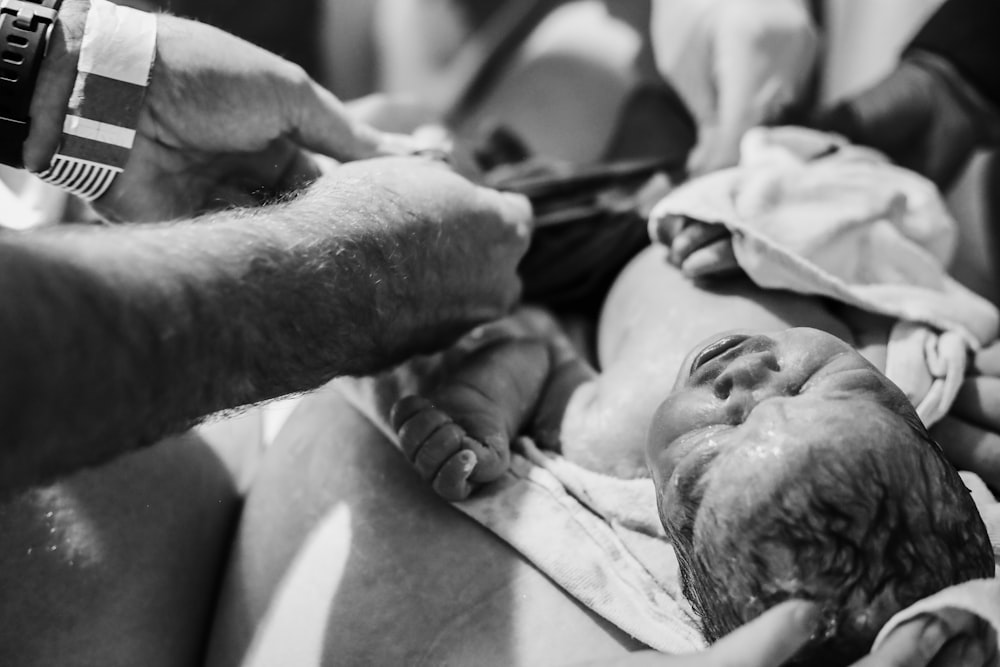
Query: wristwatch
[[25, 27]]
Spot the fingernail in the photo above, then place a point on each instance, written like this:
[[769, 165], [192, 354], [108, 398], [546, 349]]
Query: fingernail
[[468, 461]]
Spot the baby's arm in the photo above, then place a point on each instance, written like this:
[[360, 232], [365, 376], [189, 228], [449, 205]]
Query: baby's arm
[[459, 434]]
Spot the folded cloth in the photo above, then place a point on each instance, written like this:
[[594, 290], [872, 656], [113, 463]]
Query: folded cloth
[[933, 384], [811, 214], [979, 596]]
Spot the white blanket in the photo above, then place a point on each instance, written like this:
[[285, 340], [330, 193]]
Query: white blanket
[[811, 214]]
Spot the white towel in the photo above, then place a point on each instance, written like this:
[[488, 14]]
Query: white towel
[[813, 215]]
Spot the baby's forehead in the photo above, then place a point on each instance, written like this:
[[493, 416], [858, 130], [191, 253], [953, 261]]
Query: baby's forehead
[[818, 418], [787, 438]]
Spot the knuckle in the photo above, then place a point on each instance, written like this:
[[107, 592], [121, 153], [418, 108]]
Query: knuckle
[[420, 431], [452, 480], [405, 408]]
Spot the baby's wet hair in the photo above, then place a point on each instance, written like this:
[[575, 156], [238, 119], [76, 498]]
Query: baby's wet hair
[[864, 536]]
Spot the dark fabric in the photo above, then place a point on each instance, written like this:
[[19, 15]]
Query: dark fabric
[[590, 221], [967, 34]]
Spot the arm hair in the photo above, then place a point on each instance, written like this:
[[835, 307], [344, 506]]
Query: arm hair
[[112, 337]]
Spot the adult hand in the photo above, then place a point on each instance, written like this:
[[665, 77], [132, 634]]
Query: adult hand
[[923, 115], [223, 123], [698, 249], [777, 634], [949, 638], [735, 65], [978, 400], [445, 251], [970, 434]]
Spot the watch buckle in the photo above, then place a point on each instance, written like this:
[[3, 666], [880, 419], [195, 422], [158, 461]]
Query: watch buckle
[[28, 15]]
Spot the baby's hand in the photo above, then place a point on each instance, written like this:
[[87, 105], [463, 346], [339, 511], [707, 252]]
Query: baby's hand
[[443, 452], [698, 249]]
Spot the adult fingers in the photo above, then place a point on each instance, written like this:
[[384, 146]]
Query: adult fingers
[[969, 447], [936, 640], [322, 123], [914, 644], [768, 640], [987, 360], [964, 651], [978, 402], [279, 168]]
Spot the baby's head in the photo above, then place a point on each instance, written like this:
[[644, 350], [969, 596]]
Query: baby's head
[[787, 466]]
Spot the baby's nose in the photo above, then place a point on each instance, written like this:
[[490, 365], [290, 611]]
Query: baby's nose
[[746, 373]]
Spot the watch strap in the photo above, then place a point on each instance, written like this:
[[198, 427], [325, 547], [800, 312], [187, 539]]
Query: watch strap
[[25, 26]]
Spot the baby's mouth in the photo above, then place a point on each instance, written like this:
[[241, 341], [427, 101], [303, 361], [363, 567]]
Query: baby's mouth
[[716, 349]]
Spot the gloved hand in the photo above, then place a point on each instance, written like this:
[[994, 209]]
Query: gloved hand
[[924, 116], [735, 64]]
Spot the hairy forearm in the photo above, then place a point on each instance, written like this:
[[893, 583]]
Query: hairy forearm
[[111, 337]]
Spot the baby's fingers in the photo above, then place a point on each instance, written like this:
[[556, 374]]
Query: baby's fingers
[[405, 408], [416, 421], [664, 229], [452, 480], [492, 456], [437, 449], [427, 436], [694, 237], [713, 260]]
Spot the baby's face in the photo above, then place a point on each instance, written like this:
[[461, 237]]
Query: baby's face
[[747, 410], [787, 466]]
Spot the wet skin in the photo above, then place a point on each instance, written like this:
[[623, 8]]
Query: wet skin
[[747, 411]]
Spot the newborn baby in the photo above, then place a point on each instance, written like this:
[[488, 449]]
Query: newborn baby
[[785, 465]]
